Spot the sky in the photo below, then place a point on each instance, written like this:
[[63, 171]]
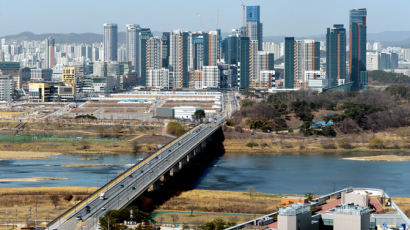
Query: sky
[[280, 17]]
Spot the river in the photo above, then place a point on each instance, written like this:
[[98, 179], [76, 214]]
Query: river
[[268, 174]]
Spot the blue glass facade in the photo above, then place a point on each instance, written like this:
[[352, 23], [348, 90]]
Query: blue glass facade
[[335, 54], [358, 39], [253, 14], [289, 62]]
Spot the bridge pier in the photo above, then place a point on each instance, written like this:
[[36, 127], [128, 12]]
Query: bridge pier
[[174, 170], [155, 186], [166, 177]]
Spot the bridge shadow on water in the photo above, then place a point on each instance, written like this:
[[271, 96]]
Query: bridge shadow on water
[[187, 178]]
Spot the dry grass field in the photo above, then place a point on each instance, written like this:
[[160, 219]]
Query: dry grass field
[[18, 205], [396, 140]]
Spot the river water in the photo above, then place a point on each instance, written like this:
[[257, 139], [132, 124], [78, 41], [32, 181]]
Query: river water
[[268, 174]]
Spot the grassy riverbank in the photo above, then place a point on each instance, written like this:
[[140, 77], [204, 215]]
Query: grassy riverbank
[[389, 142]]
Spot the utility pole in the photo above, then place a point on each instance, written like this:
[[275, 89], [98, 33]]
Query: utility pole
[[35, 215]]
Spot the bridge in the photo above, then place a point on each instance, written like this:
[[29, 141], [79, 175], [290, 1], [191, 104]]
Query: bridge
[[143, 176]]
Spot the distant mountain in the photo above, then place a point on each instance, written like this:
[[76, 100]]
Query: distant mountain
[[87, 38], [388, 38], [59, 38]]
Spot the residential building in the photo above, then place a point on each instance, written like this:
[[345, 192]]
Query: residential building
[[159, 78], [372, 60], [254, 25], [305, 57], [358, 39], [6, 88], [179, 57], [335, 54], [210, 77], [244, 64], [289, 62], [231, 51], [132, 46], [13, 69], [110, 42], [49, 53], [40, 75]]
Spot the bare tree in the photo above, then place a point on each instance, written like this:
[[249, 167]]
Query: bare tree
[[250, 190], [55, 200]]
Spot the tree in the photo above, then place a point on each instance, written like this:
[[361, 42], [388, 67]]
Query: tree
[[199, 114], [55, 200], [175, 128], [217, 224], [250, 190]]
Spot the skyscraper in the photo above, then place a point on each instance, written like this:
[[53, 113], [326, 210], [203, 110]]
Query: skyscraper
[[144, 36], [358, 38], [289, 62], [210, 48], [300, 56], [231, 49], [253, 25], [49, 53], [133, 46], [245, 71], [165, 49], [335, 54], [110, 42], [179, 57]]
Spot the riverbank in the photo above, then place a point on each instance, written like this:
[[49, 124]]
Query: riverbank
[[14, 155], [247, 143]]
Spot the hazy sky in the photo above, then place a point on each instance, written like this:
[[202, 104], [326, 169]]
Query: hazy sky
[[280, 17]]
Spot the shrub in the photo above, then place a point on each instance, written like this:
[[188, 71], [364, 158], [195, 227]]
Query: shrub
[[263, 145], [86, 116], [251, 144], [344, 144], [376, 143], [329, 145], [175, 128]]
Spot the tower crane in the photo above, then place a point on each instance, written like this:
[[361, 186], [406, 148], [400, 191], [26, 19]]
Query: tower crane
[[244, 18]]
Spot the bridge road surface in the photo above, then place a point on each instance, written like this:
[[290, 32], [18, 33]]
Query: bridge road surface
[[122, 190]]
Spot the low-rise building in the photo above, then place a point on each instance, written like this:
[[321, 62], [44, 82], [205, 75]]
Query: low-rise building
[[185, 112]]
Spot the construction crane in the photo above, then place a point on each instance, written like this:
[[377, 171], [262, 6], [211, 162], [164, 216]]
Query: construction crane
[[201, 21], [244, 18]]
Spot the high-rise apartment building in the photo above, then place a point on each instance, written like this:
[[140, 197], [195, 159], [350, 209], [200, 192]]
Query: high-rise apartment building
[[179, 58], [6, 88], [231, 51], [159, 78], [210, 48], [253, 25], [336, 55], [133, 46], [358, 39], [110, 42], [49, 53], [210, 77], [245, 56], [300, 56], [165, 49], [289, 62], [264, 62]]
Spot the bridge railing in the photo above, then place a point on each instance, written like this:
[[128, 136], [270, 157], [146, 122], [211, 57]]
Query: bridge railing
[[81, 203]]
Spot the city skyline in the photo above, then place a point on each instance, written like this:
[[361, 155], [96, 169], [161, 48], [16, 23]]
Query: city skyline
[[227, 15]]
